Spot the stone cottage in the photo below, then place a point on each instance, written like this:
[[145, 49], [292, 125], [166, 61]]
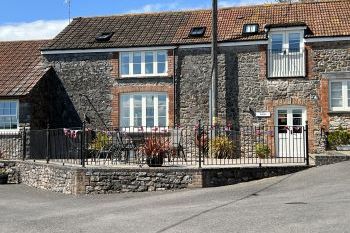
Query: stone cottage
[[279, 65]]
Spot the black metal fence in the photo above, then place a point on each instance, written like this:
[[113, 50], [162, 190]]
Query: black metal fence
[[199, 145]]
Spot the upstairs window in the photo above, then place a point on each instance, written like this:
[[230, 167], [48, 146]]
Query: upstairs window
[[8, 115], [286, 57], [145, 63]]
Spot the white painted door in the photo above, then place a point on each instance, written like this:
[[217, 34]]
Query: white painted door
[[290, 126]]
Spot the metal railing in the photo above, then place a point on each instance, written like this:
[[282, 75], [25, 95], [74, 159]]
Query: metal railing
[[286, 63], [199, 145]]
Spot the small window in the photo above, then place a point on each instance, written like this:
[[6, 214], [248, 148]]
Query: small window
[[104, 36], [339, 96], [197, 31], [8, 115], [250, 28]]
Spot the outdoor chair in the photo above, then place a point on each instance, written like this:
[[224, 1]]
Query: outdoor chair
[[175, 144], [117, 148]]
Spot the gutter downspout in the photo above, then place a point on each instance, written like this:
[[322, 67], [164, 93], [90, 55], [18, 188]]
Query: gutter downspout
[[174, 85]]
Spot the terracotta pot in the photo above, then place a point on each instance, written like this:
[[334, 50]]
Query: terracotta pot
[[155, 161]]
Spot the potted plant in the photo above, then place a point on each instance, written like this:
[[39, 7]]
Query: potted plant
[[3, 176], [222, 147], [262, 150], [155, 149]]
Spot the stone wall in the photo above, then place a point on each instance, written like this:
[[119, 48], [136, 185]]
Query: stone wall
[[11, 170], [137, 180], [11, 147], [193, 83], [89, 74], [331, 158], [95, 180], [47, 176], [228, 176], [331, 57]]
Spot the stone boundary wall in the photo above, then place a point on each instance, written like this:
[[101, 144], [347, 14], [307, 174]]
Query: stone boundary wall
[[78, 180], [321, 160], [228, 176], [13, 174]]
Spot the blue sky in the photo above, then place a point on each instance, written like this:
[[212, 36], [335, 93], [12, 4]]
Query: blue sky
[[43, 19]]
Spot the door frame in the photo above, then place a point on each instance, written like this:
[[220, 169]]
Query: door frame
[[304, 120]]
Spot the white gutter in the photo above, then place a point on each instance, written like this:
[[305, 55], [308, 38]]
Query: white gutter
[[107, 50], [327, 39], [192, 46]]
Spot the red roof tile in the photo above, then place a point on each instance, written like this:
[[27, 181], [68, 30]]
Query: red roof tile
[[325, 18], [21, 66]]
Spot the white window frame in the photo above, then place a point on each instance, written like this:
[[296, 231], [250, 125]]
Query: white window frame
[[345, 106], [278, 63], [143, 64], [131, 109], [286, 32], [17, 115]]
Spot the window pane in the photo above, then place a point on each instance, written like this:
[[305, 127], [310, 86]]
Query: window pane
[[149, 110], [161, 62], [277, 43], [137, 110], [162, 121], [149, 62], [125, 63], [294, 42], [161, 56], [336, 94], [161, 68], [137, 63], [125, 111]]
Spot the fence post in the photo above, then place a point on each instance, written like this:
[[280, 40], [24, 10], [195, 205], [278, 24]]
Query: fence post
[[307, 143], [48, 143], [24, 144], [199, 137], [82, 147]]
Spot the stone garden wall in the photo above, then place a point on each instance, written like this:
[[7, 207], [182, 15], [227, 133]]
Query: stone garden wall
[[47, 176], [94, 180], [11, 170], [11, 147]]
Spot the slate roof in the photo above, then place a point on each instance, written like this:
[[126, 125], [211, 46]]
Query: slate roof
[[326, 18], [21, 66]]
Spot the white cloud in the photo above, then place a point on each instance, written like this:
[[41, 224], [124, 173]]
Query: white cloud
[[157, 7], [228, 3], [40, 29]]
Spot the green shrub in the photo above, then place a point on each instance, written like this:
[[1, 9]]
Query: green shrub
[[102, 140], [222, 147], [262, 150], [338, 137]]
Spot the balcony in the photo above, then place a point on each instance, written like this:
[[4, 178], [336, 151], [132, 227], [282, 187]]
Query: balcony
[[286, 63]]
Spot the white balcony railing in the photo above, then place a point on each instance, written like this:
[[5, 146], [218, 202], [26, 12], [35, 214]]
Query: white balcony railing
[[286, 64]]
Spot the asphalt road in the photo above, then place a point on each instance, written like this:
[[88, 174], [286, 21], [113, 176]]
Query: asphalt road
[[315, 200]]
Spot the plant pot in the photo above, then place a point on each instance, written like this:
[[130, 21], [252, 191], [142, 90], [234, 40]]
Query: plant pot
[[3, 178], [155, 161]]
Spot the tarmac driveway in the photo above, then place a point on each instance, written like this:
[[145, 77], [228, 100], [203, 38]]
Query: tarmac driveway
[[315, 200]]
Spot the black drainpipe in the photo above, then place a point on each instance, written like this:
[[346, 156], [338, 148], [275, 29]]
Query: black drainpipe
[[174, 84]]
